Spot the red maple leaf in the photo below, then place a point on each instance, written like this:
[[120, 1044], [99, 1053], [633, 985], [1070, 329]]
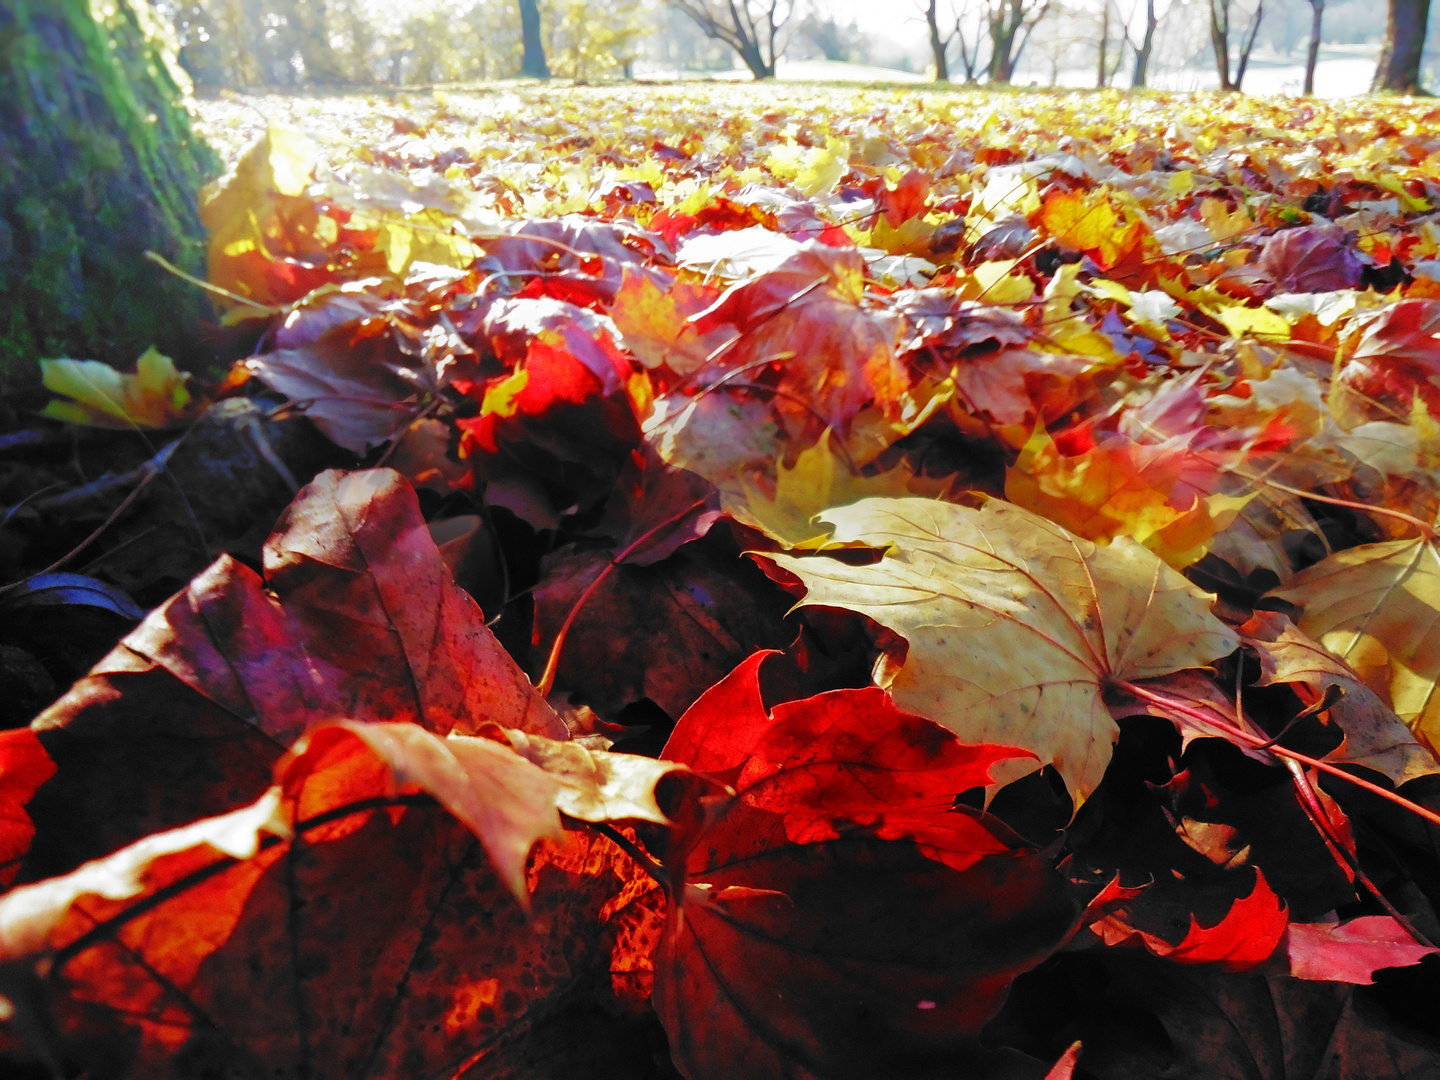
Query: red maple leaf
[[840, 917]]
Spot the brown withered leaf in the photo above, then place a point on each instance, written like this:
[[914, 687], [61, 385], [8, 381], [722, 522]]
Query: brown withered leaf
[[704, 611], [809, 315], [356, 617], [1377, 608], [1374, 736]]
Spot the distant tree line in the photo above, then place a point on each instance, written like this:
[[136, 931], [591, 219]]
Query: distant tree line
[[988, 37], [288, 44], [334, 43]]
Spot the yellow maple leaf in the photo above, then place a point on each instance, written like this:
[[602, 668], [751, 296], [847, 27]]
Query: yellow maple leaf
[[997, 282], [1064, 329], [1223, 222], [656, 327], [258, 212], [818, 481], [812, 169], [153, 396], [1241, 320], [1087, 222]]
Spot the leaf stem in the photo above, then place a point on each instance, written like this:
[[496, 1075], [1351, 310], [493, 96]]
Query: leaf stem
[[1256, 742], [207, 286], [1426, 530], [552, 663], [635, 851]]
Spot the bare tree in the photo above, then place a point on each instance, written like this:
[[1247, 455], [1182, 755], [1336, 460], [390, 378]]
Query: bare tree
[[969, 46], [1399, 66], [1312, 54], [750, 27], [1010, 23], [971, 20], [1222, 13], [1141, 73], [938, 44], [1104, 69]]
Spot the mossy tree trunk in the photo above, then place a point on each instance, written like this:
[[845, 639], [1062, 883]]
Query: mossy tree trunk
[[98, 163]]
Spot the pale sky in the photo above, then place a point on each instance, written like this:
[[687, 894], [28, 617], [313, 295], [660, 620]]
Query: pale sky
[[896, 18]]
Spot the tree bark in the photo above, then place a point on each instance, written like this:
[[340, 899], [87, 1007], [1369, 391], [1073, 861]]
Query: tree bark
[[937, 44], [1312, 54], [1142, 54], [98, 163], [1002, 40], [1399, 68], [1100, 68], [532, 62], [1247, 46], [1220, 40]]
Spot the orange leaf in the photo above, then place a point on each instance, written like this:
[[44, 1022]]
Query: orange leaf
[[1084, 222], [344, 917], [1122, 488]]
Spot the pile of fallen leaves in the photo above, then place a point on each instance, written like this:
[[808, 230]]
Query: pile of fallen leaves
[[813, 584]]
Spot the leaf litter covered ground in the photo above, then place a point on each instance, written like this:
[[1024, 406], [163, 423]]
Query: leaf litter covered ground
[[735, 582]]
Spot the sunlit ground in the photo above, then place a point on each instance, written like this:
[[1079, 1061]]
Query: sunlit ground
[[522, 111]]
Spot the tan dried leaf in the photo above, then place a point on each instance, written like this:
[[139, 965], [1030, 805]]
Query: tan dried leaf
[[1377, 607], [1015, 625]]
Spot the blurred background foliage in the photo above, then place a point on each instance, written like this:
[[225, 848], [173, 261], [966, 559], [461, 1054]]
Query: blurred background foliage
[[251, 44], [285, 45]]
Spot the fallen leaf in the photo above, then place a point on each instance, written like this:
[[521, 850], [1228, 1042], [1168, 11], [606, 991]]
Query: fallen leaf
[[230, 943], [351, 382], [718, 435], [1246, 937], [1377, 608], [596, 255], [835, 353], [1353, 951], [269, 243], [1396, 356], [658, 327], [1022, 386], [1374, 736], [154, 396], [1311, 259], [1082, 221], [24, 767], [508, 789], [1064, 1067], [708, 611], [1015, 626], [818, 481], [655, 508], [1119, 487], [357, 617], [839, 918]]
